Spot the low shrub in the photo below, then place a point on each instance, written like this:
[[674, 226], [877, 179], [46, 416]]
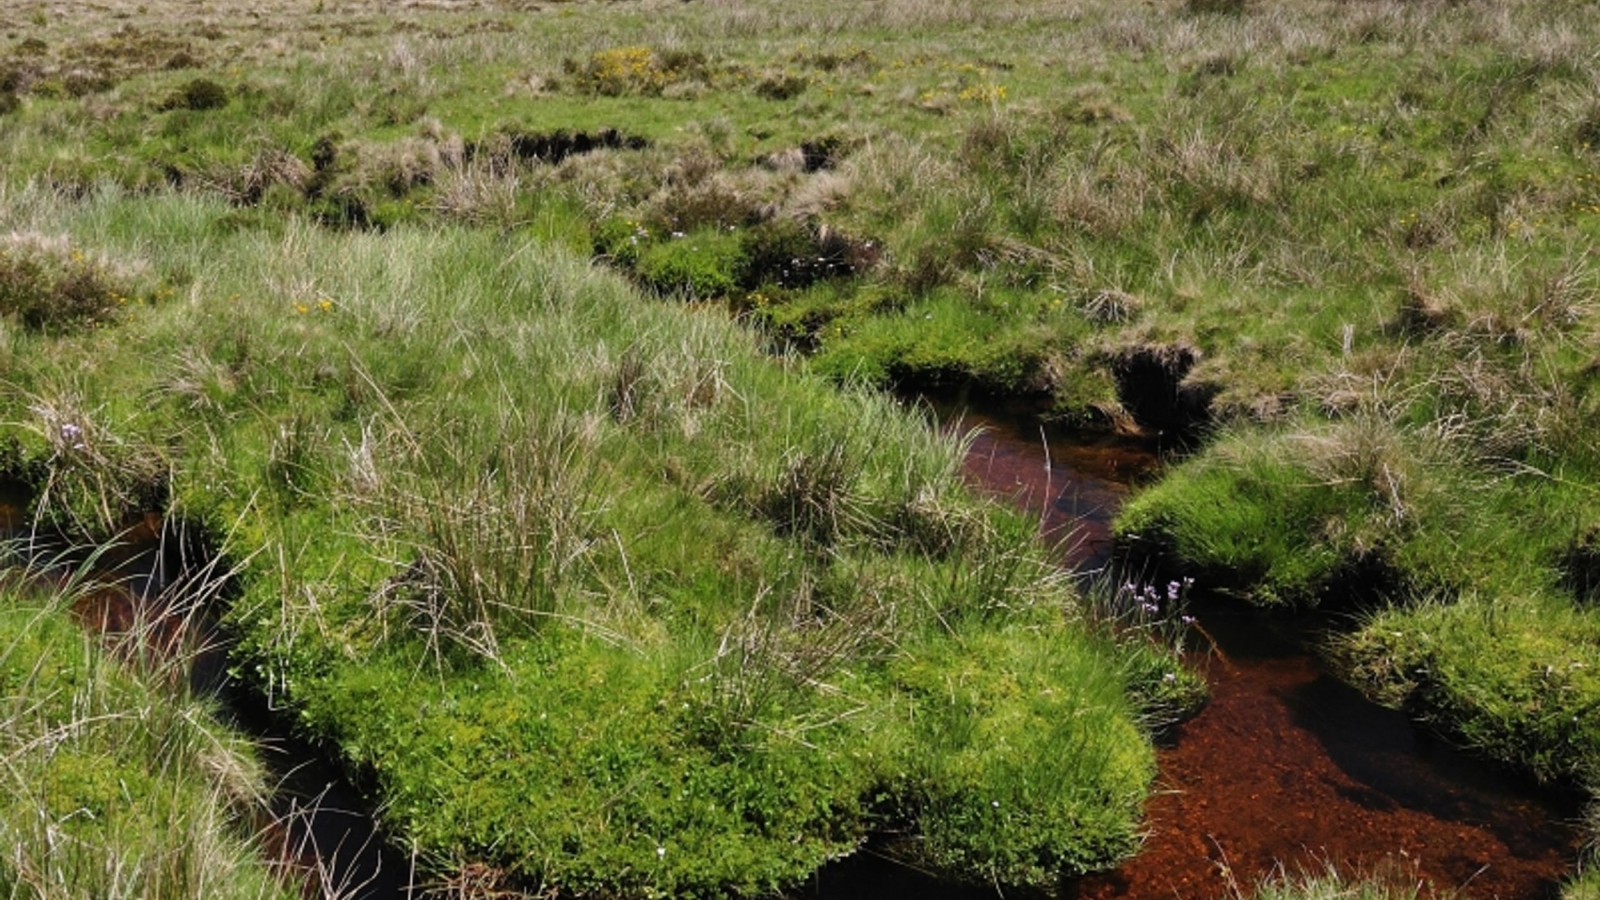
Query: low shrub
[[197, 94], [635, 70], [48, 285], [782, 85]]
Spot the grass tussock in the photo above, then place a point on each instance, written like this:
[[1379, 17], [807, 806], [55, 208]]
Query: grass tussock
[[198, 94], [49, 285], [1387, 882], [1586, 884], [503, 518], [115, 787], [498, 498]]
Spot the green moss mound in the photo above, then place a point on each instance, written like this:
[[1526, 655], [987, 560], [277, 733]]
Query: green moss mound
[[596, 596]]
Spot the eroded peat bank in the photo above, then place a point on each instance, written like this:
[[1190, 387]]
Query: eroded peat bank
[[150, 597], [1286, 768]]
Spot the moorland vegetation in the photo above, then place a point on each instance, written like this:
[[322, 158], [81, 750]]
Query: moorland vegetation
[[526, 353]]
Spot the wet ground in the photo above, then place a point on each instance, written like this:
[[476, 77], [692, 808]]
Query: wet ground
[[1074, 481], [1289, 766], [1286, 766], [153, 592]]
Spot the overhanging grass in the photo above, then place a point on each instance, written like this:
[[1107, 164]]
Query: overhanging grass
[[1515, 679], [1498, 651], [589, 589], [113, 786]]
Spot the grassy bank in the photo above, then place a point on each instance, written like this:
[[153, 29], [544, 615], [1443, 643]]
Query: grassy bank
[[1478, 552], [116, 784], [1161, 213], [314, 273], [594, 595]]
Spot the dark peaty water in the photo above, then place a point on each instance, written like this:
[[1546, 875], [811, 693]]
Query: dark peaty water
[[1286, 766], [151, 592]]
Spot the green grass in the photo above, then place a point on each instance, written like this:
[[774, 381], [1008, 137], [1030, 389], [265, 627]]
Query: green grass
[[1249, 184], [117, 784], [593, 592], [1585, 885], [1346, 251], [1385, 883], [1513, 680]]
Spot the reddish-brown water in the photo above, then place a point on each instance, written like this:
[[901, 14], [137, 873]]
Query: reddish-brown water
[[1075, 482], [1286, 766], [1289, 766], [149, 592]]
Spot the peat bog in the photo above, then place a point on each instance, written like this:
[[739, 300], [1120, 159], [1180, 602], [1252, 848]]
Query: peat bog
[[1286, 765], [447, 330]]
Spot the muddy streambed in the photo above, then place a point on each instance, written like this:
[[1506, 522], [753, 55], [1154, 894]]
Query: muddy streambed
[[1286, 766]]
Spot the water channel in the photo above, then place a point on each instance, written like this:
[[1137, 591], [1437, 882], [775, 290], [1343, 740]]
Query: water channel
[[1285, 766]]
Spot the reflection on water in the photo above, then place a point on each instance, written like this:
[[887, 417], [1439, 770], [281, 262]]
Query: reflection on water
[[1075, 481], [1286, 765]]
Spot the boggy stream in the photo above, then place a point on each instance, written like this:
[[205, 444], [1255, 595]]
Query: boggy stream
[[151, 592], [1286, 766]]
